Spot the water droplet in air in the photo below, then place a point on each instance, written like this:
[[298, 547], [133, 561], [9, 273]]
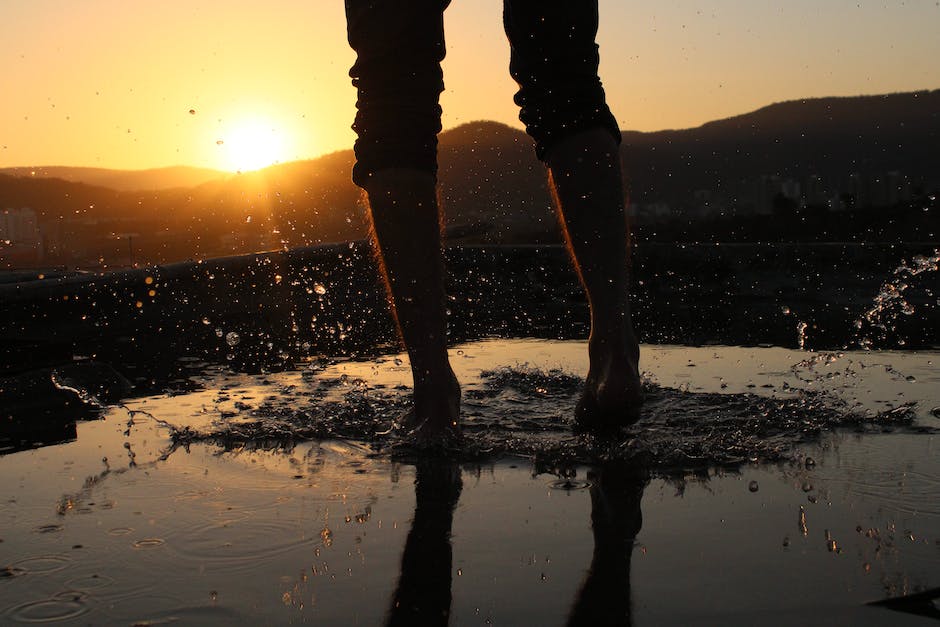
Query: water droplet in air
[[753, 486], [319, 288], [232, 339]]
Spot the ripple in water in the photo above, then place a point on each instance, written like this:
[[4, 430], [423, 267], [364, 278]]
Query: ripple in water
[[90, 582], [61, 607], [42, 564], [148, 543], [240, 544], [570, 484], [49, 528]]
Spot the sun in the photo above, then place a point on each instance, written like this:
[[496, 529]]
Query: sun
[[252, 145]]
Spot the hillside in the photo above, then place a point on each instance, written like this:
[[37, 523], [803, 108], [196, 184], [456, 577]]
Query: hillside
[[829, 138], [714, 183], [123, 180]]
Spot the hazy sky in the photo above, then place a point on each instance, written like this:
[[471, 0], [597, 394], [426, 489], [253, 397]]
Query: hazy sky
[[112, 83]]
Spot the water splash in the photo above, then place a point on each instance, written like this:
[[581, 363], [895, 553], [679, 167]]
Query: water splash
[[880, 321], [801, 334], [525, 411]]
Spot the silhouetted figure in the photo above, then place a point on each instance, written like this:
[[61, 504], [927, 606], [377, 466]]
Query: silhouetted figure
[[423, 594], [604, 598], [554, 59]]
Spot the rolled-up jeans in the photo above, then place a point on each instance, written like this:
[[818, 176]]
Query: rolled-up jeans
[[400, 46]]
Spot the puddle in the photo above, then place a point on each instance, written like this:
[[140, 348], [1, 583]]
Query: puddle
[[760, 485], [747, 405]]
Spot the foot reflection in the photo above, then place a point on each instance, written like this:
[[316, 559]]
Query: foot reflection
[[604, 598], [423, 594]]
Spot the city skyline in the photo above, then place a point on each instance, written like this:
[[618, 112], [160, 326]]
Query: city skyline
[[237, 86]]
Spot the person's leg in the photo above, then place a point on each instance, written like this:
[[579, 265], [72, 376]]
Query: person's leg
[[404, 211], [562, 103], [588, 190], [397, 74]]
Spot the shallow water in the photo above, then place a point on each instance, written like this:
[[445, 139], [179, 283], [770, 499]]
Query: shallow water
[[761, 485]]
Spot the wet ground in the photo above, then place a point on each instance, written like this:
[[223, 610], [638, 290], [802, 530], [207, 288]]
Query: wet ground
[[762, 485]]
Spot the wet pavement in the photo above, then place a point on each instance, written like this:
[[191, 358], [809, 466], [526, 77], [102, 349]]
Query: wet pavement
[[761, 485], [217, 443]]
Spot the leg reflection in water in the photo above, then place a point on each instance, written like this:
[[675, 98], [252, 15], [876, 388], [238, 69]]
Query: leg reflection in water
[[423, 594], [604, 598]]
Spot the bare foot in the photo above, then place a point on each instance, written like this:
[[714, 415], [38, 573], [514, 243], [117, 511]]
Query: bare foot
[[435, 419], [612, 393]]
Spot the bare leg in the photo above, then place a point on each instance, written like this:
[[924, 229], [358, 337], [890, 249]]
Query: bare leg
[[588, 190], [406, 224]]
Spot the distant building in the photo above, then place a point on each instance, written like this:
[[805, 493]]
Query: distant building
[[865, 191], [20, 237], [815, 193], [768, 189], [790, 189], [897, 188]]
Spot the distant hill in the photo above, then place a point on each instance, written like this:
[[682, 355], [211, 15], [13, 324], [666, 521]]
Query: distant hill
[[494, 190], [124, 180], [829, 138]]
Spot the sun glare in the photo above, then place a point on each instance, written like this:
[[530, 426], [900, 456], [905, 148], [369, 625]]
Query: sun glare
[[252, 146]]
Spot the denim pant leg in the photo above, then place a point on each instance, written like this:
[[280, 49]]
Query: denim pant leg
[[554, 60], [399, 46]]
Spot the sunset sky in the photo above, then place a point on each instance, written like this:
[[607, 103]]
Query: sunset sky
[[238, 84]]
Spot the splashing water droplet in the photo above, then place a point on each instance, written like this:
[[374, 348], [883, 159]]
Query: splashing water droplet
[[801, 334], [890, 303]]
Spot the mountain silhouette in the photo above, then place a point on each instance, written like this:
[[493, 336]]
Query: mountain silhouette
[[494, 190], [829, 138], [124, 180]]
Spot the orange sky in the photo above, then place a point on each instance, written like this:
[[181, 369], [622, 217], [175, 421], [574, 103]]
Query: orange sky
[[111, 83]]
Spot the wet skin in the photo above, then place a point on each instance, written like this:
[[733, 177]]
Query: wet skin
[[587, 185]]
